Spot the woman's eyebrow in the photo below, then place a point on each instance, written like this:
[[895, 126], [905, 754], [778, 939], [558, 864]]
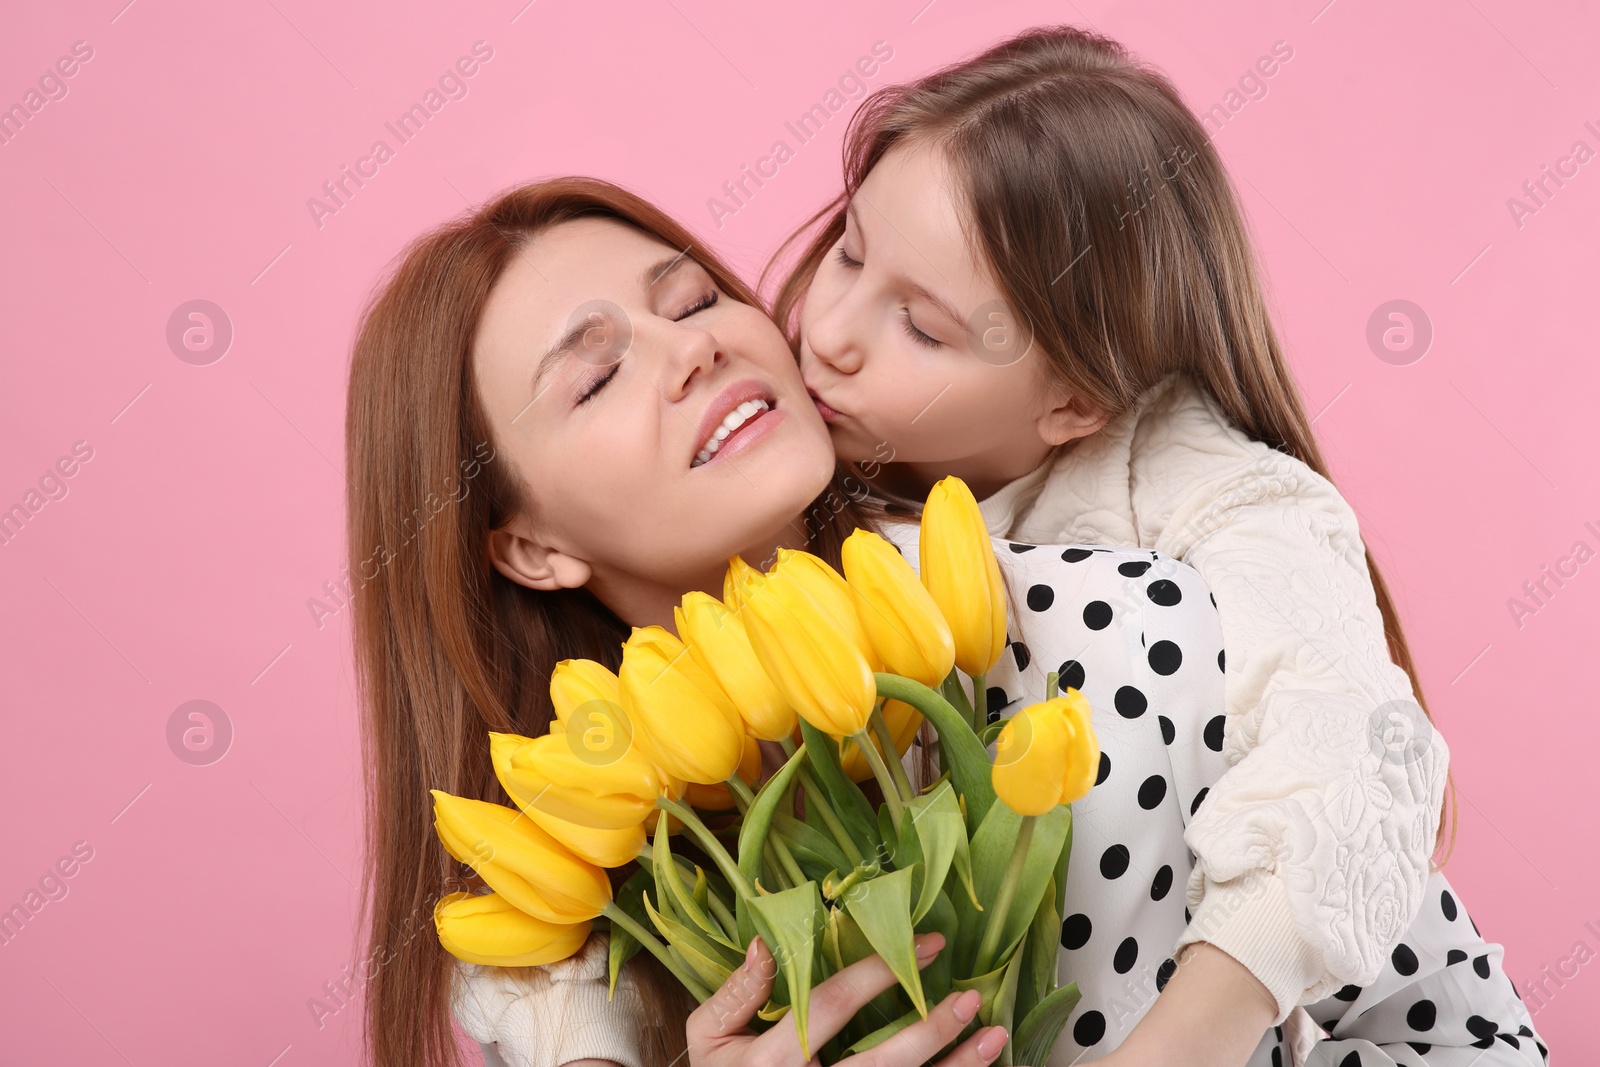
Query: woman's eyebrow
[[659, 271]]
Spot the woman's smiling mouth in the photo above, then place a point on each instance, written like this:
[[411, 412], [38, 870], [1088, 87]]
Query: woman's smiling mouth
[[740, 414]]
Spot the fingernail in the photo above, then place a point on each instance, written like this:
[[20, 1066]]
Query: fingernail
[[928, 945], [990, 1044], [750, 953], [966, 1005]]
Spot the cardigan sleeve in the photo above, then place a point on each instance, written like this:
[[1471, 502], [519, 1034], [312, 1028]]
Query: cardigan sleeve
[[1314, 847], [550, 1015]]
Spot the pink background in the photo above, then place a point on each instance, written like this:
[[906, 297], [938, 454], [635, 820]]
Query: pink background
[[179, 565]]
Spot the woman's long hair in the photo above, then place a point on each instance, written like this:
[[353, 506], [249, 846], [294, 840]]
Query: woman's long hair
[[1111, 229], [446, 648]]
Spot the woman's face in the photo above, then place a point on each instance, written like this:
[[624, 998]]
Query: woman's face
[[657, 425], [905, 338]]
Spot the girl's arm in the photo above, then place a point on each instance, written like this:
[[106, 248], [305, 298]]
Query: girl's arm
[[552, 1015], [1313, 849]]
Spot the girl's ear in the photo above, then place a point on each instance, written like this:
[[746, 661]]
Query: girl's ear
[[527, 561], [1070, 418]]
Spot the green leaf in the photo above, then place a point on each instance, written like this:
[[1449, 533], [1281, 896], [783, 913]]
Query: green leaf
[[936, 975], [1042, 949], [671, 889], [758, 820], [1040, 1027], [709, 962], [884, 1033], [622, 945], [881, 906], [1001, 1011], [992, 847], [941, 840], [791, 924], [853, 946], [815, 851], [849, 802], [959, 749]]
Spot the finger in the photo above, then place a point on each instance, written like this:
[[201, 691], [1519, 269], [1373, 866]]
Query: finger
[[737, 1000], [836, 1001], [978, 1050], [921, 1041]]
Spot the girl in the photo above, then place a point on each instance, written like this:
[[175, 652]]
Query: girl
[[1037, 278], [588, 509]]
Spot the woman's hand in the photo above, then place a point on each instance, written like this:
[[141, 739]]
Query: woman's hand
[[719, 1036]]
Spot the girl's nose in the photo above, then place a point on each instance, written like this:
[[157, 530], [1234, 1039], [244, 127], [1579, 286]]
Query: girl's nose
[[832, 341]]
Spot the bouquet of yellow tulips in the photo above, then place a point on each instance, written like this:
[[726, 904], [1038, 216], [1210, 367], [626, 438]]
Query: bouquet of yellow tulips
[[841, 671]]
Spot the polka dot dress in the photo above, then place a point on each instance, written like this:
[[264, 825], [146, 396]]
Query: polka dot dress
[[1138, 634]]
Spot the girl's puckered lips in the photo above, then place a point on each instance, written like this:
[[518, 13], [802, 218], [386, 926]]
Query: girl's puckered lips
[[829, 414]]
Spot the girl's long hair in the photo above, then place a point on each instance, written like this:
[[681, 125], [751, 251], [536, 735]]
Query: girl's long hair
[[1111, 229], [446, 648]]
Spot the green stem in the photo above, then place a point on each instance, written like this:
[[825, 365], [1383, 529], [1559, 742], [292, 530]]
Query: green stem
[[709, 842], [1002, 902], [1052, 685], [897, 766], [621, 918], [814, 795], [980, 702], [779, 856], [891, 792], [952, 691], [788, 745], [741, 793]]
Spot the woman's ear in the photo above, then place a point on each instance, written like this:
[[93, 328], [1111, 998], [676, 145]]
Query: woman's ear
[[1069, 418], [527, 561]]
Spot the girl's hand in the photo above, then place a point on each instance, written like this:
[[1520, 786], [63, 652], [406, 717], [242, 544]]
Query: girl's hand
[[719, 1036]]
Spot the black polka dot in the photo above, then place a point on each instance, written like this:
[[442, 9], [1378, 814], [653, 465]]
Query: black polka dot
[[1510, 1040], [1075, 931], [1070, 675], [1152, 791], [1130, 702], [1040, 597], [1164, 973], [1480, 966], [1480, 1027], [1105, 768], [1126, 956], [1161, 884], [1089, 1029], [1422, 1015], [1213, 597], [1222, 660], [1020, 653], [1020, 549], [1164, 592], [1133, 569], [1169, 732], [1544, 1052], [1421, 1048], [1097, 615], [1076, 555], [1404, 960], [1165, 657], [1348, 993], [1214, 732], [1199, 799], [1114, 861], [1453, 957], [1447, 904], [1277, 1055], [1352, 1060], [994, 699]]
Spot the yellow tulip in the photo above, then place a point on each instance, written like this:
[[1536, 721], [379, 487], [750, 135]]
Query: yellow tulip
[[899, 615], [606, 848], [961, 573], [576, 682], [1046, 754], [532, 870], [608, 790], [681, 716], [719, 797], [719, 644], [796, 628], [903, 722], [737, 569], [484, 928]]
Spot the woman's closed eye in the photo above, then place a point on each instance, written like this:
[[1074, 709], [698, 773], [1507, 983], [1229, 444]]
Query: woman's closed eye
[[700, 304]]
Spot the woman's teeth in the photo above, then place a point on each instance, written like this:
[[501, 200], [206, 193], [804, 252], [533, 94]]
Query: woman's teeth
[[736, 418]]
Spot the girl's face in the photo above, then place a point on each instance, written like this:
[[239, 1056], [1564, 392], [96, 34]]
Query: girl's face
[[905, 340], [657, 425]]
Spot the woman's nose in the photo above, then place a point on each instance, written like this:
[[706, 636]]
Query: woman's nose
[[694, 354]]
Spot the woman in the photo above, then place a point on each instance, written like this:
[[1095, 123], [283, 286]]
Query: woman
[[615, 456]]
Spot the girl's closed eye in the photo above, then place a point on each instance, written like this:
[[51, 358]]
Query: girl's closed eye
[[599, 383], [917, 335], [844, 259]]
